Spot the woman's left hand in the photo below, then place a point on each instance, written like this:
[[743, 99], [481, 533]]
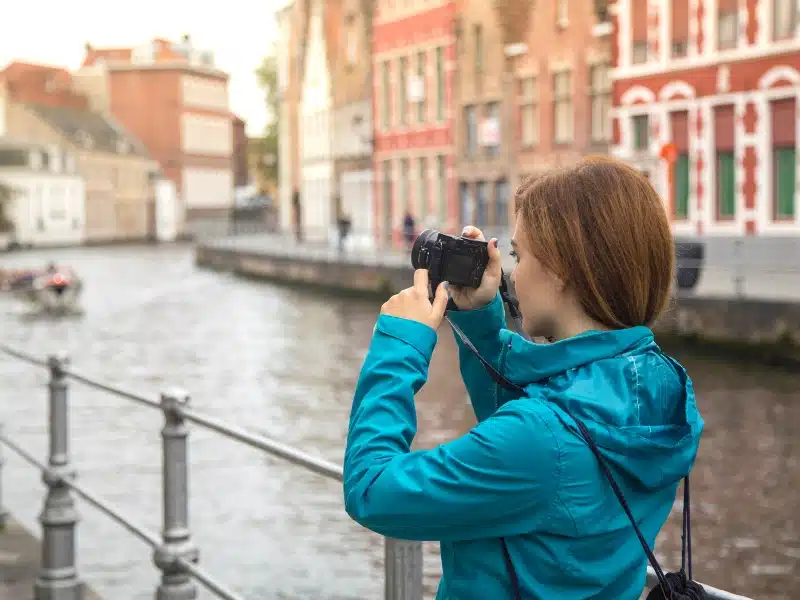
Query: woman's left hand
[[413, 303]]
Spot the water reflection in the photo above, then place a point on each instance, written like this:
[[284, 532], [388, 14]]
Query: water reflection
[[284, 362]]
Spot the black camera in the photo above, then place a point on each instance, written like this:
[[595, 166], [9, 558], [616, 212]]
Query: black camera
[[457, 260]]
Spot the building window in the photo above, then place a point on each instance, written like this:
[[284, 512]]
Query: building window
[[641, 132], [681, 207], [562, 107], [680, 28], [387, 199], [422, 190], [501, 204], [482, 204], [785, 178], [600, 93], [385, 97], [478, 35], [420, 84], [728, 29], [402, 91], [529, 112], [492, 129], [470, 131], [639, 52], [726, 188], [439, 84], [784, 19], [562, 13], [441, 179]]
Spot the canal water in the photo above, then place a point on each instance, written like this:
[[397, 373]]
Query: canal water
[[283, 362]]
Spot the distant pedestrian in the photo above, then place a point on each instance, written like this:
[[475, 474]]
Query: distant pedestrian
[[344, 223], [298, 216], [409, 229]]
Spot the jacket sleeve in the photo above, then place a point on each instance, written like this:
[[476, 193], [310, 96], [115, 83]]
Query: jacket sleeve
[[494, 481], [482, 327]]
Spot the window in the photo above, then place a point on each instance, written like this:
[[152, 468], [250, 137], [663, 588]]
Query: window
[[422, 190], [501, 204], [482, 204], [600, 94], [402, 91], [439, 84], [785, 178], [562, 107], [387, 199], [639, 52], [726, 196], [641, 132], [470, 131], [728, 30], [385, 98], [478, 35], [562, 12], [680, 28], [492, 125], [441, 177], [784, 19], [421, 84], [681, 183], [529, 112], [404, 186]]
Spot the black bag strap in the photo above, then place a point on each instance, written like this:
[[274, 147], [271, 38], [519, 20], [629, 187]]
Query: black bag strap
[[686, 537]]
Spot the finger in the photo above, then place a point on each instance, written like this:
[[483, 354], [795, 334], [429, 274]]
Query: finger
[[440, 301], [421, 281], [473, 233], [495, 258]]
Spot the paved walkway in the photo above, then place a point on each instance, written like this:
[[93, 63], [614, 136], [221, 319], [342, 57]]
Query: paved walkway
[[20, 555], [723, 276]]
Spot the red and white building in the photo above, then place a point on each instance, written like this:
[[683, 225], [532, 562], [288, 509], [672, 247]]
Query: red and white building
[[719, 79], [413, 152]]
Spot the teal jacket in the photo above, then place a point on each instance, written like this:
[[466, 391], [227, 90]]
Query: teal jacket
[[524, 472]]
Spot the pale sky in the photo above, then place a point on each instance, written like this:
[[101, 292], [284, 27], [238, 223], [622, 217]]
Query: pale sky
[[239, 32]]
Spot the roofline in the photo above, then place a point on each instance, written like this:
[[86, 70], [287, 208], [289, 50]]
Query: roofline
[[166, 66]]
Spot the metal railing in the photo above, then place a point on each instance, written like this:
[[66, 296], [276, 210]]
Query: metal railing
[[174, 553]]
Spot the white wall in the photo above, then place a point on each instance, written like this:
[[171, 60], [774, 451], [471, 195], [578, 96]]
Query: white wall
[[356, 191], [48, 209], [317, 199], [207, 188], [199, 92], [352, 130]]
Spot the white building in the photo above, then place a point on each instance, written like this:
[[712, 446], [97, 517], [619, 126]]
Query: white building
[[46, 206], [316, 128], [286, 123]]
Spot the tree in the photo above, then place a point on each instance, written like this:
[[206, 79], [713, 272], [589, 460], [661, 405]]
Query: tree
[[266, 147]]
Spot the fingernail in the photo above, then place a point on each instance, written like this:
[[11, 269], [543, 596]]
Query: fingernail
[[465, 230], [494, 242]]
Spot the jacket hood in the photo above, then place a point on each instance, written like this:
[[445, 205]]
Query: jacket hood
[[637, 403]]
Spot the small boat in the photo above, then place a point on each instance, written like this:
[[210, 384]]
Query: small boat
[[55, 290]]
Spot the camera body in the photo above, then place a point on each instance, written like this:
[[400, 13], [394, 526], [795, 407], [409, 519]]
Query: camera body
[[455, 259]]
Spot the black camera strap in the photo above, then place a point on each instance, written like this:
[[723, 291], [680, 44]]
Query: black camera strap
[[671, 585]]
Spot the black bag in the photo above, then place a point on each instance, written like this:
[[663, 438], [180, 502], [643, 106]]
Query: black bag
[[671, 586]]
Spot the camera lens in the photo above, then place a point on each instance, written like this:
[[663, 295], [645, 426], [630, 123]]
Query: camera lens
[[420, 252]]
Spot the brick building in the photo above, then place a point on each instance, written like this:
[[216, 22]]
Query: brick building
[[719, 79], [241, 167], [413, 115], [489, 36], [172, 97], [563, 85]]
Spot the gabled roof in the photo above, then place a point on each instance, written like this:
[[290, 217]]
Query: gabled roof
[[90, 130]]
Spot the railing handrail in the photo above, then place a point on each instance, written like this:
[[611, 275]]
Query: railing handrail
[[177, 410]]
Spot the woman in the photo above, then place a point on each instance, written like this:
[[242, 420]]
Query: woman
[[594, 266]]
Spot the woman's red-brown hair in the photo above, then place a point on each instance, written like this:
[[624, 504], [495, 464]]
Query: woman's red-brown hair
[[602, 228]]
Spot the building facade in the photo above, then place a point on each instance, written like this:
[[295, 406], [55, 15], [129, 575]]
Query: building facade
[[414, 65], [715, 84], [563, 86], [172, 97], [39, 104], [352, 121], [490, 35], [318, 186], [240, 143], [46, 206]]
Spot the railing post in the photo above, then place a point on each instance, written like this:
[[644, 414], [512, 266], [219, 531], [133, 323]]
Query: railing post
[[403, 566], [175, 584], [58, 575], [3, 511]]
